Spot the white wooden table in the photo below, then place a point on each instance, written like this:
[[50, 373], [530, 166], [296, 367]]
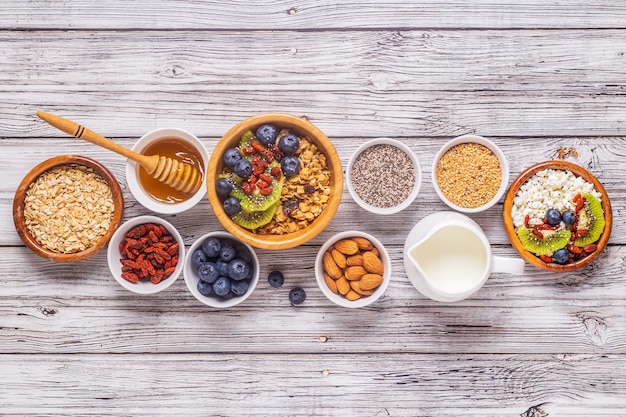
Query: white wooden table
[[538, 77]]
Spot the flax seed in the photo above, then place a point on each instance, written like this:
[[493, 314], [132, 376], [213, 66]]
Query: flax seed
[[469, 175]]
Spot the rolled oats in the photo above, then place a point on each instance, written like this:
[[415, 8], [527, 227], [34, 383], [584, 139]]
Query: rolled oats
[[68, 208]]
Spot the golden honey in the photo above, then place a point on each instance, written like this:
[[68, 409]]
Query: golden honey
[[175, 148]]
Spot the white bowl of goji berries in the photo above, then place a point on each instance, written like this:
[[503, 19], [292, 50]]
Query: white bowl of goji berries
[[383, 176], [146, 254]]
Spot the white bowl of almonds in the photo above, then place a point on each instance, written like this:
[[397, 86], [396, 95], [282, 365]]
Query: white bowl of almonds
[[353, 269], [67, 208], [470, 174]]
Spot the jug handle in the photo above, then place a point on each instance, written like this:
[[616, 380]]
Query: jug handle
[[513, 266]]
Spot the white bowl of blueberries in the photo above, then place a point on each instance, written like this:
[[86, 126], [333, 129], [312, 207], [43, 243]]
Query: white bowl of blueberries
[[220, 270]]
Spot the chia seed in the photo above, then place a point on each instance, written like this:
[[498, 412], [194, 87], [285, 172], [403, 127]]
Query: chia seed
[[383, 176]]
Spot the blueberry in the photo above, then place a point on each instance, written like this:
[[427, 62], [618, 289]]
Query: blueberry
[[569, 217], [561, 256], [238, 269], [232, 205], [222, 267], [288, 143], [239, 288], [231, 157], [266, 134], [211, 247], [244, 253], [227, 253], [553, 216], [223, 186], [221, 287], [297, 296], [204, 288], [208, 272], [198, 258], [276, 279], [243, 168], [290, 165]]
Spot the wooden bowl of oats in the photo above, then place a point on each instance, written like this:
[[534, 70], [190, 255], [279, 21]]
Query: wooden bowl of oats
[[274, 181], [67, 208]]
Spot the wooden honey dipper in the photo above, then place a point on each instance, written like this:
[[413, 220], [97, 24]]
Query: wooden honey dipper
[[178, 175]]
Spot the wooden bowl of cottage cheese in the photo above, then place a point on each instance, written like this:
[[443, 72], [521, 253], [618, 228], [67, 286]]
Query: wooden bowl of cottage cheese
[[67, 208], [558, 216]]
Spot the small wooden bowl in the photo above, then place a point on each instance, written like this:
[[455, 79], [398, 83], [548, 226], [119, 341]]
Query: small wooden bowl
[[300, 127], [510, 228], [19, 203]]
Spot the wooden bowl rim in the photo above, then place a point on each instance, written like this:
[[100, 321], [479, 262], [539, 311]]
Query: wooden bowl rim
[[508, 220], [39, 169], [302, 127]]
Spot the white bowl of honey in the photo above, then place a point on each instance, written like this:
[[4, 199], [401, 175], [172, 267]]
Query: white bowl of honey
[[150, 192]]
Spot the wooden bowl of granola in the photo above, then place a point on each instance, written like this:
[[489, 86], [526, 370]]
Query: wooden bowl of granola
[[576, 230], [67, 208], [295, 165]]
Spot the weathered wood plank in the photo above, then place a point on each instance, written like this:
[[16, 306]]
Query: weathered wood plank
[[224, 384], [374, 83], [304, 15]]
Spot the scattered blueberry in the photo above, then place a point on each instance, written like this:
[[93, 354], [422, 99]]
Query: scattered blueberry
[[569, 217], [239, 288], [232, 205], [223, 186], [561, 256], [231, 157], [198, 258], [266, 134], [208, 272], [221, 287], [238, 269], [227, 253], [290, 165], [288, 143], [297, 296], [205, 288], [243, 168], [211, 247], [276, 279], [553, 216]]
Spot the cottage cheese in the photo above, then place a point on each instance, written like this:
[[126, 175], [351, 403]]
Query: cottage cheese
[[548, 189]]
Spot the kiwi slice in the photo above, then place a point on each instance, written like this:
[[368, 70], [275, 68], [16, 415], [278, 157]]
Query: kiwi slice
[[255, 201], [590, 218], [552, 241], [246, 139], [254, 220]]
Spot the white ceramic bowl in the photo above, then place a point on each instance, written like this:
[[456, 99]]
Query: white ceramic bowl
[[114, 255], [191, 276], [338, 298], [416, 185], [496, 151], [132, 172]]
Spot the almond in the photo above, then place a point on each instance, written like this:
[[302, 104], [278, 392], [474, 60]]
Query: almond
[[343, 286], [363, 243], [353, 273], [353, 295], [330, 267], [331, 284], [356, 287], [372, 263], [354, 260], [347, 246], [370, 281], [339, 258]]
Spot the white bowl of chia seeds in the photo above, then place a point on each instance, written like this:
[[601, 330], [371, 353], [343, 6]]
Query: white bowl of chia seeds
[[383, 176], [470, 173]]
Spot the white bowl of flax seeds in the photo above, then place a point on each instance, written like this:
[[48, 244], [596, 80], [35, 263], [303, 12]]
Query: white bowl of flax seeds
[[383, 176], [470, 173]]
